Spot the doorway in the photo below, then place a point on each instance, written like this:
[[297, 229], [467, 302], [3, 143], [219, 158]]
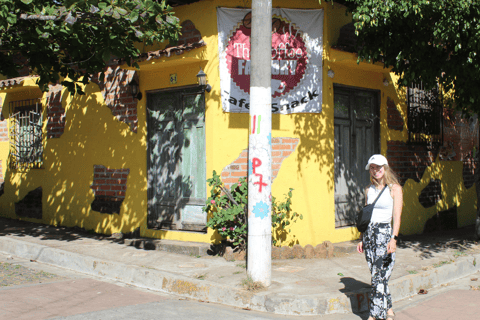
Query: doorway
[[176, 159], [357, 130]]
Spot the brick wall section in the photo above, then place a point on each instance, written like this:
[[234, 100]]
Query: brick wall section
[[109, 186], [116, 92], [189, 33], [31, 205], [281, 149], [236, 170], [431, 194], [460, 139], [3, 124], [347, 40], [469, 167], [110, 182], [409, 161], [394, 118], [55, 113], [460, 136]]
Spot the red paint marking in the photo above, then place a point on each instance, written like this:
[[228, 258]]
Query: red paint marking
[[360, 298], [260, 183], [253, 129], [255, 164]]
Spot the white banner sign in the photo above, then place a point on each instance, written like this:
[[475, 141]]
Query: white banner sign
[[297, 47]]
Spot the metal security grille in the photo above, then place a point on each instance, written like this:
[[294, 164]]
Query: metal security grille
[[26, 147], [425, 115]]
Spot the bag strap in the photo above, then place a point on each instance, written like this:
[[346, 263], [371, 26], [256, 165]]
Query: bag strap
[[379, 195]]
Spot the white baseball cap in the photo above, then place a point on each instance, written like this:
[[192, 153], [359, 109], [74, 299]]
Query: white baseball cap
[[377, 159]]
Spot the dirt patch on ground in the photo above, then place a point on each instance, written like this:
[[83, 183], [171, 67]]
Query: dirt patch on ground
[[14, 275]]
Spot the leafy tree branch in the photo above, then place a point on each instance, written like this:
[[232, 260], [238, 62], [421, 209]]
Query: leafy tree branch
[[434, 41], [68, 41]]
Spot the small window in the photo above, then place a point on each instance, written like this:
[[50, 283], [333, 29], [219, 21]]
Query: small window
[[425, 115], [26, 139]]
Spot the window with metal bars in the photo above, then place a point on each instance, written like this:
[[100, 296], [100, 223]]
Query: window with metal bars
[[425, 115], [26, 139]]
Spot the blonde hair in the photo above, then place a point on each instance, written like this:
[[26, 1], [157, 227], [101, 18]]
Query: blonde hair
[[390, 178]]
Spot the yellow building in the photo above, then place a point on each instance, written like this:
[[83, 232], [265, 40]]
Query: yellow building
[[114, 161]]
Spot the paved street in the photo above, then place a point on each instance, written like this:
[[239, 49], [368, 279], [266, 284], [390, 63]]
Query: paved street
[[455, 301], [31, 290]]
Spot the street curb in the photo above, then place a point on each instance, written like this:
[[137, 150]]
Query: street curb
[[180, 247], [205, 290], [164, 281], [406, 286]]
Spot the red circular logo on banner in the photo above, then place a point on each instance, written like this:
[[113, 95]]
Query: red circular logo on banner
[[289, 56]]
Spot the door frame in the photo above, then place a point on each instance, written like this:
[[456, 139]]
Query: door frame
[[376, 124], [180, 201]]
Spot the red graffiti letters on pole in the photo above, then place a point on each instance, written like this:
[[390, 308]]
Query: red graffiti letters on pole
[[255, 164], [260, 183]]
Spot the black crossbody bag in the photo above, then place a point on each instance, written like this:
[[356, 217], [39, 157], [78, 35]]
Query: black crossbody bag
[[365, 214]]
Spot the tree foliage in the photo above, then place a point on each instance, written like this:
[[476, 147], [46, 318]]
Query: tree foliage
[[435, 41], [67, 41]]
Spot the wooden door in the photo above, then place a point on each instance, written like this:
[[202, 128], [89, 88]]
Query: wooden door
[[176, 159], [356, 139]]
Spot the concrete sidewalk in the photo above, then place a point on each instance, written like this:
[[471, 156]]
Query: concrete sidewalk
[[299, 286]]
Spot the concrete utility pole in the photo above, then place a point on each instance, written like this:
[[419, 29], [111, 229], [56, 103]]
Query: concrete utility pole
[[259, 260]]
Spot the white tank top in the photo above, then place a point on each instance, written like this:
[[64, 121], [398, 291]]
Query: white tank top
[[383, 211]]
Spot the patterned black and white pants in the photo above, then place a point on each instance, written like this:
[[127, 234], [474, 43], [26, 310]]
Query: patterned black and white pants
[[375, 240]]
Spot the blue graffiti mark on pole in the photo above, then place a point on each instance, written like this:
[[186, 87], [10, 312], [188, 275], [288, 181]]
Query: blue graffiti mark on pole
[[260, 210], [270, 139], [250, 170]]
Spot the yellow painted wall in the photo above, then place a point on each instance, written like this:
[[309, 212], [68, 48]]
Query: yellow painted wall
[[454, 193], [94, 137], [4, 144]]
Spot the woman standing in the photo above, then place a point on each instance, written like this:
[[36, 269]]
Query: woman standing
[[379, 242]]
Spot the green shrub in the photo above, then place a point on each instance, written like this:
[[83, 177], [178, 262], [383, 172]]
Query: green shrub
[[229, 212]]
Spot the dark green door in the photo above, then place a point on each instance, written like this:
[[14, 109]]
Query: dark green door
[[356, 139], [176, 159]]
